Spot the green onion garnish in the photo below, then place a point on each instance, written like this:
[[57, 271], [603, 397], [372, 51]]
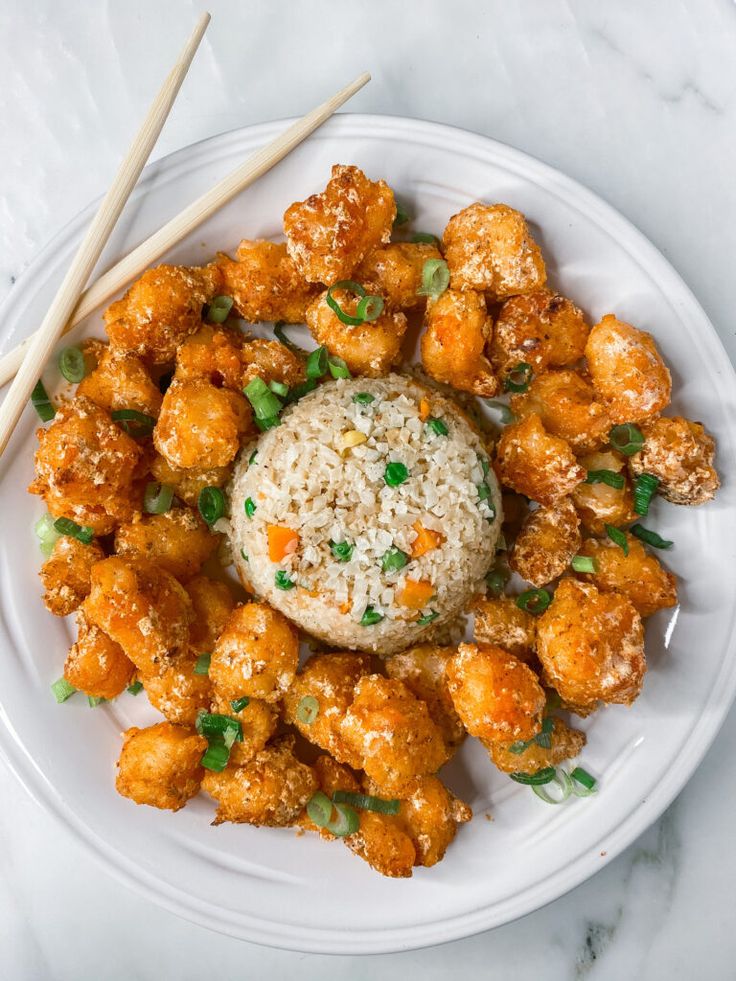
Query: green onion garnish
[[83, 533], [212, 724], [135, 689], [42, 403], [216, 756], [425, 237], [265, 403], [437, 426], [157, 498], [281, 580], [244, 555], [507, 415], [249, 507], [402, 215], [218, 309], [537, 779], [279, 388], [370, 616], [278, 329], [347, 821], [484, 492], [585, 780], [319, 809], [71, 365], [94, 700], [364, 398], [395, 474], [583, 563], [211, 504], [238, 704], [519, 378], [369, 308], [366, 802], [317, 363], [561, 780], [484, 465], [627, 439], [341, 550], [202, 664], [338, 367], [644, 490], [650, 537], [393, 560], [534, 600], [435, 278], [496, 581], [618, 538], [47, 534], [307, 710], [543, 738], [357, 290], [252, 458], [609, 477], [427, 618], [62, 690], [133, 422], [265, 424], [297, 391]]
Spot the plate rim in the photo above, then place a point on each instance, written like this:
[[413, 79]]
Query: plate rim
[[385, 940]]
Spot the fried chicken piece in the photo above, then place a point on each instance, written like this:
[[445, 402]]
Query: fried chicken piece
[[541, 329], [65, 574], [457, 329], [258, 722], [213, 354], [548, 540], [395, 272], [565, 744], [499, 622], [565, 402], [591, 645], [95, 664], [431, 815], [638, 575], [679, 453], [598, 504], [272, 361], [265, 283], [177, 540], [121, 381], [188, 482], [160, 765], [422, 670], [212, 604], [535, 464], [628, 373], [329, 234], [179, 693]]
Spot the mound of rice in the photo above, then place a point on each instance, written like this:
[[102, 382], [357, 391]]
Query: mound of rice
[[322, 472]]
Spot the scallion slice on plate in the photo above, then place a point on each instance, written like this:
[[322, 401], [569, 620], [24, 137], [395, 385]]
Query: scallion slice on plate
[[202, 664], [519, 378], [238, 704], [563, 784], [83, 533], [62, 690], [435, 278], [534, 600], [583, 563], [627, 439], [42, 403], [608, 477], [211, 504], [218, 309], [133, 422], [157, 498], [618, 537], [307, 710], [346, 821], [71, 365], [536, 779], [366, 802], [645, 488], [650, 537]]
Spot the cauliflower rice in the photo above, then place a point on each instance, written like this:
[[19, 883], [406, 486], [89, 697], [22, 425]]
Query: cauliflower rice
[[306, 476]]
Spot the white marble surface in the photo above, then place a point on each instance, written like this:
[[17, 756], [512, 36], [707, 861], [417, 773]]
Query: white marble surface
[[634, 99]]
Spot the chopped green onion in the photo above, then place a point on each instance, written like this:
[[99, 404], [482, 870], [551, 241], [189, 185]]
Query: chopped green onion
[[133, 422], [307, 710], [279, 388], [346, 823], [585, 780], [544, 737], [369, 309], [484, 465], [218, 309], [252, 458], [627, 439], [537, 779], [282, 580], [265, 424], [370, 616], [507, 415], [216, 756], [319, 809], [209, 724], [238, 704], [583, 563], [484, 492], [562, 781], [357, 290], [157, 498], [317, 363], [338, 367], [83, 533], [42, 403], [496, 581], [437, 426], [298, 391], [425, 237], [211, 504], [265, 404], [244, 555], [71, 365], [609, 477], [47, 534], [366, 802], [650, 537], [364, 398], [435, 278], [94, 701], [534, 600], [249, 507], [427, 618], [519, 378], [202, 664], [644, 490], [618, 538], [395, 474], [402, 215], [135, 689], [393, 560], [341, 550], [278, 329], [62, 690]]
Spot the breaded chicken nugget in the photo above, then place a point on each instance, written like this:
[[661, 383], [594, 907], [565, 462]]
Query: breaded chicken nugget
[[565, 402], [395, 272], [422, 669], [177, 540], [121, 381], [541, 329], [66, 574], [638, 575], [457, 329], [548, 540], [265, 283], [565, 744], [679, 453], [160, 765], [499, 622], [532, 462], [95, 664]]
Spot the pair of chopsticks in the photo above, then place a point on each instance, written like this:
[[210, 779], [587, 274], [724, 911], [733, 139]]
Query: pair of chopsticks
[[71, 304]]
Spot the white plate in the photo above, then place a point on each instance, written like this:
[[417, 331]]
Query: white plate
[[272, 886]]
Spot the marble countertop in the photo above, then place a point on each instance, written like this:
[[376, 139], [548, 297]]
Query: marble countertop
[[634, 100]]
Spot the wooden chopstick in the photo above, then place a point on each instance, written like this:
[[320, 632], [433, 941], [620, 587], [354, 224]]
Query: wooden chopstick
[[67, 297], [179, 227]]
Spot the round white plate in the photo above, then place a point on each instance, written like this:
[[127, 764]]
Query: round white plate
[[272, 886]]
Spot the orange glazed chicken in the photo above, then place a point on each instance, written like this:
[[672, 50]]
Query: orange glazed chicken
[[457, 331]]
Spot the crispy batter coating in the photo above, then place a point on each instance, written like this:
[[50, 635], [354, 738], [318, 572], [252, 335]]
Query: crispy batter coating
[[271, 789], [600, 505], [395, 272], [65, 574], [499, 622], [201, 425], [97, 665], [143, 608], [212, 604], [160, 765], [680, 454], [422, 669], [160, 310], [265, 283], [457, 329], [258, 722], [329, 234], [638, 575], [331, 679], [272, 361], [213, 354], [566, 744], [178, 540], [431, 814], [532, 462], [543, 329], [188, 481], [121, 381], [255, 655], [565, 402], [371, 349], [497, 696], [546, 543], [179, 694], [85, 467], [627, 370], [591, 645], [489, 247], [392, 733]]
